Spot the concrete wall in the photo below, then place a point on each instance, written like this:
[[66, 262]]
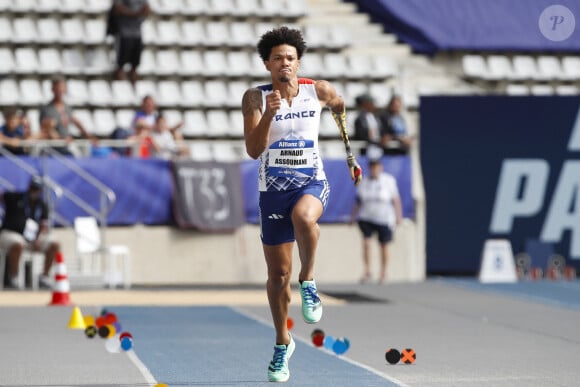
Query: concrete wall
[[165, 255]]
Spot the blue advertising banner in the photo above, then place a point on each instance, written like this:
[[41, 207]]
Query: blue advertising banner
[[499, 167], [145, 190]]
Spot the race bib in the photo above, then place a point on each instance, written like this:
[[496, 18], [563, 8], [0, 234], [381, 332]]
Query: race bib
[[290, 158], [30, 230]]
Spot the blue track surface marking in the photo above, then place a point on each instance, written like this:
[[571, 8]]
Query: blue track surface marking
[[565, 294], [217, 346]]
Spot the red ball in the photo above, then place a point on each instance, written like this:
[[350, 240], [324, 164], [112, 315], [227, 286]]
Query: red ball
[[316, 332], [318, 340], [110, 318], [125, 334], [100, 321]]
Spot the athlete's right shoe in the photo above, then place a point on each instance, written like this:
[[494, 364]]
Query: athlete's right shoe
[[311, 304], [278, 370]]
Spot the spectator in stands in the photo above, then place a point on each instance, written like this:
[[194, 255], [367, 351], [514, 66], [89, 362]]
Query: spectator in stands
[[56, 118], [128, 16], [163, 141], [25, 226], [293, 188], [143, 125], [140, 129], [377, 209], [176, 132], [48, 130], [145, 116], [14, 130], [367, 125], [395, 125], [143, 139]]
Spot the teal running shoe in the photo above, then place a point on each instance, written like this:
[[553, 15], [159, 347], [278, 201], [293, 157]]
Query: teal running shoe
[[278, 370], [311, 304]]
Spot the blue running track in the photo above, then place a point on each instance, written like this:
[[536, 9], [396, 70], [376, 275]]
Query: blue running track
[[218, 346]]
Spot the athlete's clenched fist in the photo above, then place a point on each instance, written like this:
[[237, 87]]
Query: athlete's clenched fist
[[273, 102]]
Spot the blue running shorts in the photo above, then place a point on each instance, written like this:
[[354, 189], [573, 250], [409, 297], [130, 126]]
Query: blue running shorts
[[276, 210]]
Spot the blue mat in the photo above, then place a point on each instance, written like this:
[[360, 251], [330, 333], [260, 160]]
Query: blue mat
[[217, 346]]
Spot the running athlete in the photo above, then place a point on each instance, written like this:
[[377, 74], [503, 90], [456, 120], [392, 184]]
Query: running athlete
[[281, 125]]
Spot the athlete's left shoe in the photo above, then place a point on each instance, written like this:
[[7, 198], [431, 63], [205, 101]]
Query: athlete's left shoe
[[278, 370], [311, 304]]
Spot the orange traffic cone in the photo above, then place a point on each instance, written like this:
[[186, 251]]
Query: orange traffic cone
[[60, 291]]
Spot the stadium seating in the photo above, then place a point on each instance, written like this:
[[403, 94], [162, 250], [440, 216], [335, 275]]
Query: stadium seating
[[195, 124], [532, 72], [200, 57], [124, 117], [502, 53]]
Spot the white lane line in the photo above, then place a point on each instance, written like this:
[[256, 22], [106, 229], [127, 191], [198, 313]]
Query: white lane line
[[354, 362], [141, 367]]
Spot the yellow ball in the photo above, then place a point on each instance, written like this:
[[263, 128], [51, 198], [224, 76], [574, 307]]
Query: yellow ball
[[89, 320], [112, 330]]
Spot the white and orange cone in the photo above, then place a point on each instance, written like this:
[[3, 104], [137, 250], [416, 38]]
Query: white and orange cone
[[61, 288]]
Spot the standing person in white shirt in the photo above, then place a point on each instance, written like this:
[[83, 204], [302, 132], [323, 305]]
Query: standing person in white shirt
[[377, 209]]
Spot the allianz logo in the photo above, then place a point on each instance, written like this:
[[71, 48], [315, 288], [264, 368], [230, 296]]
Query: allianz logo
[[521, 193], [292, 144]]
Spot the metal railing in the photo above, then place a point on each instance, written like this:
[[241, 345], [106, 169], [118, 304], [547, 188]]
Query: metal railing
[[54, 187], [83, 147], [107, 197]]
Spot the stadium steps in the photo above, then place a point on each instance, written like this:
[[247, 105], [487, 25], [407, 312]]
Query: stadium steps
[[418, 73]]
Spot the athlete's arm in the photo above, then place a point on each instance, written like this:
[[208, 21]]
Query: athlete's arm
[[329, 97], [256, 123], [398, 210]]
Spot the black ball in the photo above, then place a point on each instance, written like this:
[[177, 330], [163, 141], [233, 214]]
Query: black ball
[[104, 331], [393, 356]]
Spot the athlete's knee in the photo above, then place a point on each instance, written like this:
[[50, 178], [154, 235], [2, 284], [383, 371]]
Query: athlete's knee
[[305, 217], [279, 278], [307, 210]]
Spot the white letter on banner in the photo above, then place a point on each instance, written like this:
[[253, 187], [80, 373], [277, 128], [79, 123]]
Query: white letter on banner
[[221, 191], [564, 212], [574, 144], [507, 203], [187, 175]]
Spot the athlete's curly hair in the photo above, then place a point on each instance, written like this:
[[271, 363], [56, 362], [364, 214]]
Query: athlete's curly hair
[[279, 36]]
